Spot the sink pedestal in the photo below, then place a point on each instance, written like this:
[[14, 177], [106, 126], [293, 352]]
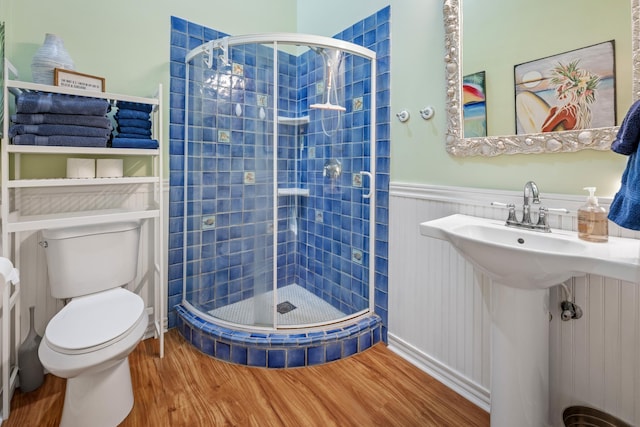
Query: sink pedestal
[[523, 265], [519, 356]]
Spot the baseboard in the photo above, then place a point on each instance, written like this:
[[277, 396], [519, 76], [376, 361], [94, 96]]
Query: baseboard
[[465, 387]]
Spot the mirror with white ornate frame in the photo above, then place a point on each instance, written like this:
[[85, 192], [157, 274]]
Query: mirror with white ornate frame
[[548, 142]]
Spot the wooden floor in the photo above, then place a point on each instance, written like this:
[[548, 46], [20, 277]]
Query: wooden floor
[[188, 388]]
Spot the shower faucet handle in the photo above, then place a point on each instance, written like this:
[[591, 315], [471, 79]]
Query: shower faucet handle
[[332, 168]]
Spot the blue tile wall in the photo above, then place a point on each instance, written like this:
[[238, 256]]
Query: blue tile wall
[[222, 263], [325, 248]]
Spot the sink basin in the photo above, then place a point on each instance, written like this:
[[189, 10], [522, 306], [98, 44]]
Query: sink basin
[[529, 259], [523, 264]]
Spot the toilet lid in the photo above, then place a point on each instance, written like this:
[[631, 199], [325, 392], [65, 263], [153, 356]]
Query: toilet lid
[[94, 320]]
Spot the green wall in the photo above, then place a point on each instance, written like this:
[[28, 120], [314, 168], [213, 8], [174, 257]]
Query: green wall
[[127, 42], [417, 80]]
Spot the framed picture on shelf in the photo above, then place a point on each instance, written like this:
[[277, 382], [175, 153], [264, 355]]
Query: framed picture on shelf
[[76, 80], [474, 108], [568, 91]]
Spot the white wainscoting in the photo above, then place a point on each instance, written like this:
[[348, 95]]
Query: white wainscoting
[[439, 313]]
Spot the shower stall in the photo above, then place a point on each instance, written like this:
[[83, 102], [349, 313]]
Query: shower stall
[[279, 182]]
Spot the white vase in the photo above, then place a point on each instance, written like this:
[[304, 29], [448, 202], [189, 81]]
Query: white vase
[[50, 55]]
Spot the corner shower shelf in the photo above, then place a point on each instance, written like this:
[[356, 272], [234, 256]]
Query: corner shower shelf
[[293, 192], [293, 121]]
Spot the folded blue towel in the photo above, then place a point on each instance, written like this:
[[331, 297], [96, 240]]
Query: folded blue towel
[[124, 113], [134, 130], [126, 105], [625, 207], [628, 137], [49, 130], [119, 142], [62, 140], [133, 135], [41, 102], [62, 119], [135, 123]]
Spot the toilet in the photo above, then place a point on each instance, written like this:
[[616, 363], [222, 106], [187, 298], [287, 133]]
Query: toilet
[[90, 339]]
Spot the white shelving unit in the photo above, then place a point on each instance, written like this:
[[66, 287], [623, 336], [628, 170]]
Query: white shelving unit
[[10, 293], [14, 221]]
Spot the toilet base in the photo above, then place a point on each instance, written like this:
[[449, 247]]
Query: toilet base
[[101, 399]]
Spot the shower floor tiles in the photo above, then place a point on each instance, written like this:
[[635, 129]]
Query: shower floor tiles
[[309, 309]]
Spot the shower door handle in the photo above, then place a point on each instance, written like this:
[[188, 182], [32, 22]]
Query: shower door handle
[[368, 195]]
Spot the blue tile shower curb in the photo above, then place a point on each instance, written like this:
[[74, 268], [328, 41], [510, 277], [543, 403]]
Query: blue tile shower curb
[[277, 349]]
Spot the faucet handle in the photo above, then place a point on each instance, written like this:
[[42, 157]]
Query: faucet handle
[[512, 210], [542, 217]]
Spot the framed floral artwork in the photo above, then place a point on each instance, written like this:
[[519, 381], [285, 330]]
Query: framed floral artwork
[[569, 91], [474, 107]]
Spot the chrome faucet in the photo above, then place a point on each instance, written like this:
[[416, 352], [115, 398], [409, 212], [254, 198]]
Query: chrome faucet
[[530, 194]]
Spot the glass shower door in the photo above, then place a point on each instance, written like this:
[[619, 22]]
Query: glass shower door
[[323, 212], [230, 185], [261, 95], [278, 219]]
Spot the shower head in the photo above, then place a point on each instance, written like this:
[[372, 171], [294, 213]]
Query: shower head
[[327, 106], [331, 59]]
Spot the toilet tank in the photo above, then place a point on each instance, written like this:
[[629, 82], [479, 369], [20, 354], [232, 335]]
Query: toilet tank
[[91, 258]]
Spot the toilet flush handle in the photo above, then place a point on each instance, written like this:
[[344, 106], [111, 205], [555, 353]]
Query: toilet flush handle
[[44, 243]]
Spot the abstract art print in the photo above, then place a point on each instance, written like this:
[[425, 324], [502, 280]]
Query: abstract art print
[[569, 91], [474, 108]]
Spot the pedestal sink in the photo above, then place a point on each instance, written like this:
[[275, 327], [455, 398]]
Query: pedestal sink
[[523, 265]]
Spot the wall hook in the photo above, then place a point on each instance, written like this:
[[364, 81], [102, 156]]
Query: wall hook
[[427, 112], [403, 116]]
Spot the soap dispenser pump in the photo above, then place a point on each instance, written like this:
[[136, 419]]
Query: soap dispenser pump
[[593, 225]]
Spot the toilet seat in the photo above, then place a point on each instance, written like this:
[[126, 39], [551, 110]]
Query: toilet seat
[[95, 321]]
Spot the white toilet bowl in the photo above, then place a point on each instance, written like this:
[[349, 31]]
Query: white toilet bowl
[[88, 342]]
